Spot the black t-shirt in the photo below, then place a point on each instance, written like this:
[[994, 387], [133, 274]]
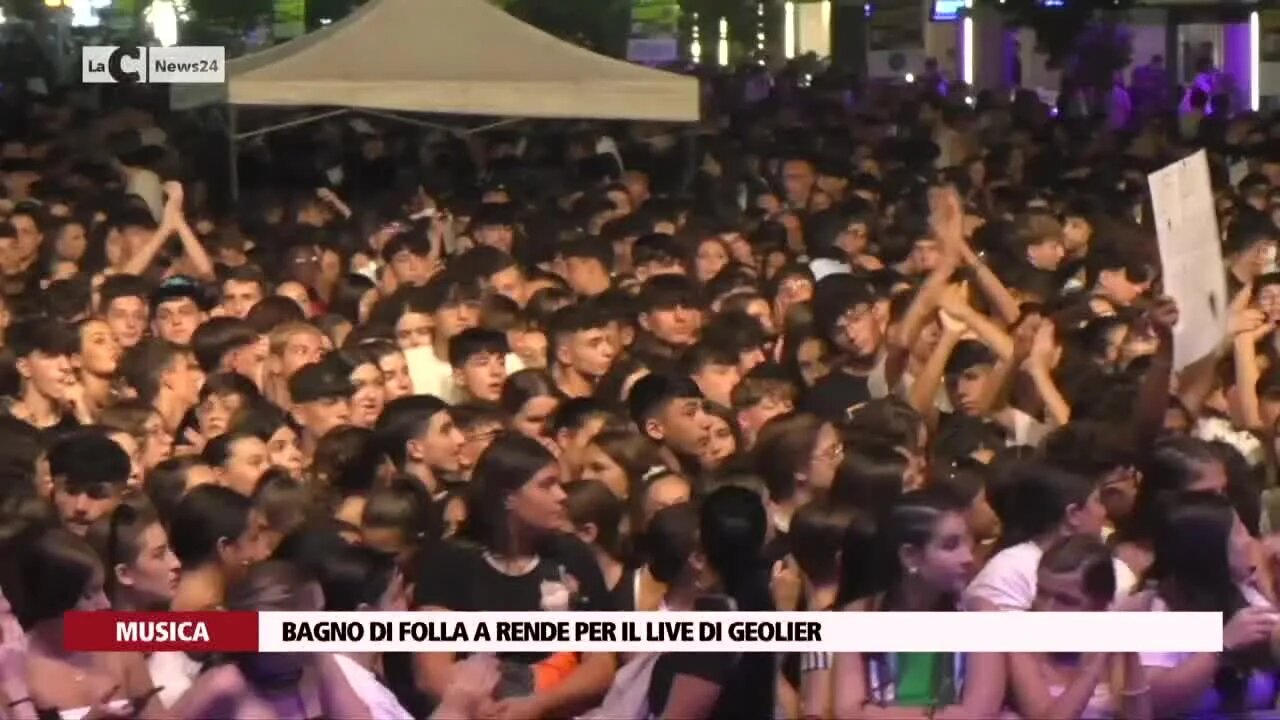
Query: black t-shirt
[[832, 396], [746, 682], [457, 576]]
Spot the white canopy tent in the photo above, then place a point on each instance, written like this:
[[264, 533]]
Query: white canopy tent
[[461, 57]]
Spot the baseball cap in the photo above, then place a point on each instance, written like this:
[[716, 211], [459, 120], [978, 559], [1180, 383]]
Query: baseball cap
[[177, 287], [318, 381]]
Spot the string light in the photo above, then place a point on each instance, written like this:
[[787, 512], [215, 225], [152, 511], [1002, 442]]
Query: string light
[[789, 29], [695, 45], [722, 47]]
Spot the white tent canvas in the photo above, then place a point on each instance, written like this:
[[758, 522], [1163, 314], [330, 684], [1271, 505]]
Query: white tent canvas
[[451, 57]]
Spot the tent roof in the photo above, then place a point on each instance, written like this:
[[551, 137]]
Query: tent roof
[[452, 57]]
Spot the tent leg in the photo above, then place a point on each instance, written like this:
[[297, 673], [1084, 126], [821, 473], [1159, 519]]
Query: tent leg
[[233, 155]]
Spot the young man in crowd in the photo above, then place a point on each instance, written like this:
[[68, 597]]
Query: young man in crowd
[[449, 305], [478, 357], [177, 309], [228, 344], [242, 288], [421, 440], [290, 347], [579, 351], [48, 393], [124, 301], [90, 473], [167, 378], [670, 411], [320, 396]]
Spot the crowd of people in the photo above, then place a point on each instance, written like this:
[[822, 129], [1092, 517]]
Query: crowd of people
[[906, 354]]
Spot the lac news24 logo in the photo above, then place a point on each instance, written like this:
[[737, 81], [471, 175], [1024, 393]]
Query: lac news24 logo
[[125, 64]]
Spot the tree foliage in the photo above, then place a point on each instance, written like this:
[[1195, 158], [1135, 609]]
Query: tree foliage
[[600, 25]]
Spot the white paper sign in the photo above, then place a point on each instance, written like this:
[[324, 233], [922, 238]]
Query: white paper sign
[[1190, 256]]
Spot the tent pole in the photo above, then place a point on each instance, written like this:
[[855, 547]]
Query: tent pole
[[293, 123], [233, 155]]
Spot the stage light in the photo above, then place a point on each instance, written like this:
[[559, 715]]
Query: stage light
[[789, 29], [966, 29], [1255, 66]]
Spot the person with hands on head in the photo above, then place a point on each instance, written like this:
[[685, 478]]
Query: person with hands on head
[[1076, 574]]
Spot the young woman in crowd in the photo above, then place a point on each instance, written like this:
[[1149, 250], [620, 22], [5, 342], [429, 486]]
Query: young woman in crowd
[[216, 535], [58, 571], [597, 518], [1203, 562], [726, 572], [530, 398], [518, 559], [928, 557], [620, 460]]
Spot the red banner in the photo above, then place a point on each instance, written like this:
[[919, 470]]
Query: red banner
[[151, 632]]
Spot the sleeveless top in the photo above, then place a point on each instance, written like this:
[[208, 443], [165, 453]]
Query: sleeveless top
[[913, 679]]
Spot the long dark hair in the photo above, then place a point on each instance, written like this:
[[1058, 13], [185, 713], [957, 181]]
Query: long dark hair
[[1191, 546], [1041, 495], [54, 567], [509, 462], [1191, 570], [1173, 466], [912, 522], [732, 524]]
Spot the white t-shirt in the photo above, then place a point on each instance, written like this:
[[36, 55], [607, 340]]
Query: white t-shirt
[[1009, 579], [432, 376], [1260, 693], [382, 703], [174, 671]]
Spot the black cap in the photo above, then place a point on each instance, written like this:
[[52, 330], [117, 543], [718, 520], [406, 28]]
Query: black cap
[[318, 381], [180, 286]]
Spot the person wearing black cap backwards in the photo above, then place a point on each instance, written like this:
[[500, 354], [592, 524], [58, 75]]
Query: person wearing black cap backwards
[[321, 395], [670, 410], [178, 307]]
